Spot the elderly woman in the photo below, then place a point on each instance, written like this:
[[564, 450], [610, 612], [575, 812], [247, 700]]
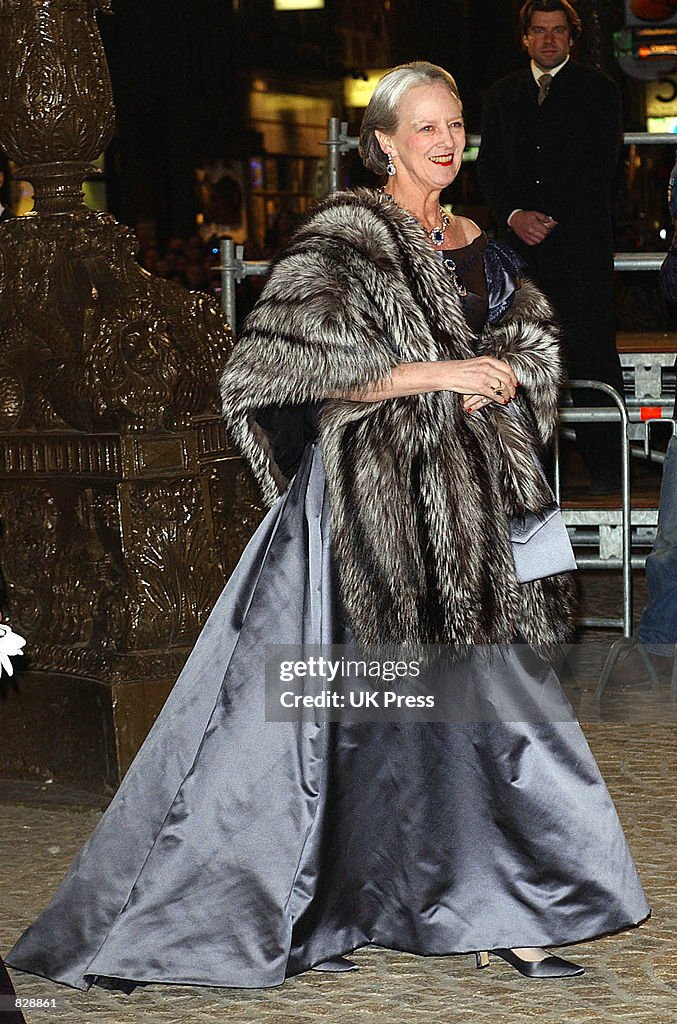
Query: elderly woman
[[238, 850]]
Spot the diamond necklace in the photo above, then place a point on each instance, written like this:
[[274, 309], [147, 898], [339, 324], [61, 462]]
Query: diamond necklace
[[436, 234]]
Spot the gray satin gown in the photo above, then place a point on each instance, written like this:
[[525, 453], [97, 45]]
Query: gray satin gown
[[239, 851]]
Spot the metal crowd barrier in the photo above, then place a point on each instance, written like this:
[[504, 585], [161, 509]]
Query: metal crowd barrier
[[234, 269], [575, 519], [621, 537]]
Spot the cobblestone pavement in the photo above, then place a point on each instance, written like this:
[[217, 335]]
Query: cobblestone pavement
[[631, 977]]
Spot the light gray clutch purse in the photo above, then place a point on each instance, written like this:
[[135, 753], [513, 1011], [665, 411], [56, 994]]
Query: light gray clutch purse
[[540, 544]]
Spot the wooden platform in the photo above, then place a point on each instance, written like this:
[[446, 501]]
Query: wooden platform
[[646, 341], [606, 502]]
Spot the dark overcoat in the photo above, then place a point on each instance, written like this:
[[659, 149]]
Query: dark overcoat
[[560, 158]]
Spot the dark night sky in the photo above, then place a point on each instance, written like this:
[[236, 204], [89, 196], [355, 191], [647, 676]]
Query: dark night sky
[[476, 40], [174, 65]]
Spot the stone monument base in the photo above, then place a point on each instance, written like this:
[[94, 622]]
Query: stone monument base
[[77, 731]]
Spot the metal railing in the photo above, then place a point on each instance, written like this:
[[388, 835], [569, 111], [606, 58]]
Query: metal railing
[[234, 269], [619, 414]]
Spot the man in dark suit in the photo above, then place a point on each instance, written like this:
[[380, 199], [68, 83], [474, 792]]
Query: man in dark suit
[[549, 152]]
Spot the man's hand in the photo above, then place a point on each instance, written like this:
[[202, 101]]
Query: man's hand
[[532, 226]]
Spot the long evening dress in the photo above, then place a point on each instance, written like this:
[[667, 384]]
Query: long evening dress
[[239, 851]]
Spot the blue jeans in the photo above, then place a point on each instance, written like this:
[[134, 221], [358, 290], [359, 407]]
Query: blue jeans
[[658, 625]]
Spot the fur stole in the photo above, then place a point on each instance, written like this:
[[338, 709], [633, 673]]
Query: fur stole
[[419, 490]]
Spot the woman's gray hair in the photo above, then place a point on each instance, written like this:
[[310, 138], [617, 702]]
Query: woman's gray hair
[[383, 113]]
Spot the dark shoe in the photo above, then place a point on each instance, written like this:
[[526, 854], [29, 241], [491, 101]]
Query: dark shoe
[[118, 984], [632, 670], [550, 967], [335, 965], [663, 665]]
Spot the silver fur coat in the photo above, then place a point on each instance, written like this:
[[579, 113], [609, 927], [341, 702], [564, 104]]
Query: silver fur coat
[[419, 490]]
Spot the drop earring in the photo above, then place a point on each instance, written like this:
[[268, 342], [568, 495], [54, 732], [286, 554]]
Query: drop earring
[[390, 168]]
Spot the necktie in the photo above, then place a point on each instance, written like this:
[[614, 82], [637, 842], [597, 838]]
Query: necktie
[[544, 83]]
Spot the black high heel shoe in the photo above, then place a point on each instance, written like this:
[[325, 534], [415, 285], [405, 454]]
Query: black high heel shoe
[[550, 967]]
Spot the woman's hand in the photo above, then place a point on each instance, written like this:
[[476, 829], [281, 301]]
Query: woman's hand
[[480, 380], [472, 403]]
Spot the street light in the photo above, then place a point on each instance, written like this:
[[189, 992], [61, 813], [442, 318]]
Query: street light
[[298, 5], [652, 10], [647, 46]]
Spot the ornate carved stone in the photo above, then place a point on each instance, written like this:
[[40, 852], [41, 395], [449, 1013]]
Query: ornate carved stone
[[120, 499], [56, 101]]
